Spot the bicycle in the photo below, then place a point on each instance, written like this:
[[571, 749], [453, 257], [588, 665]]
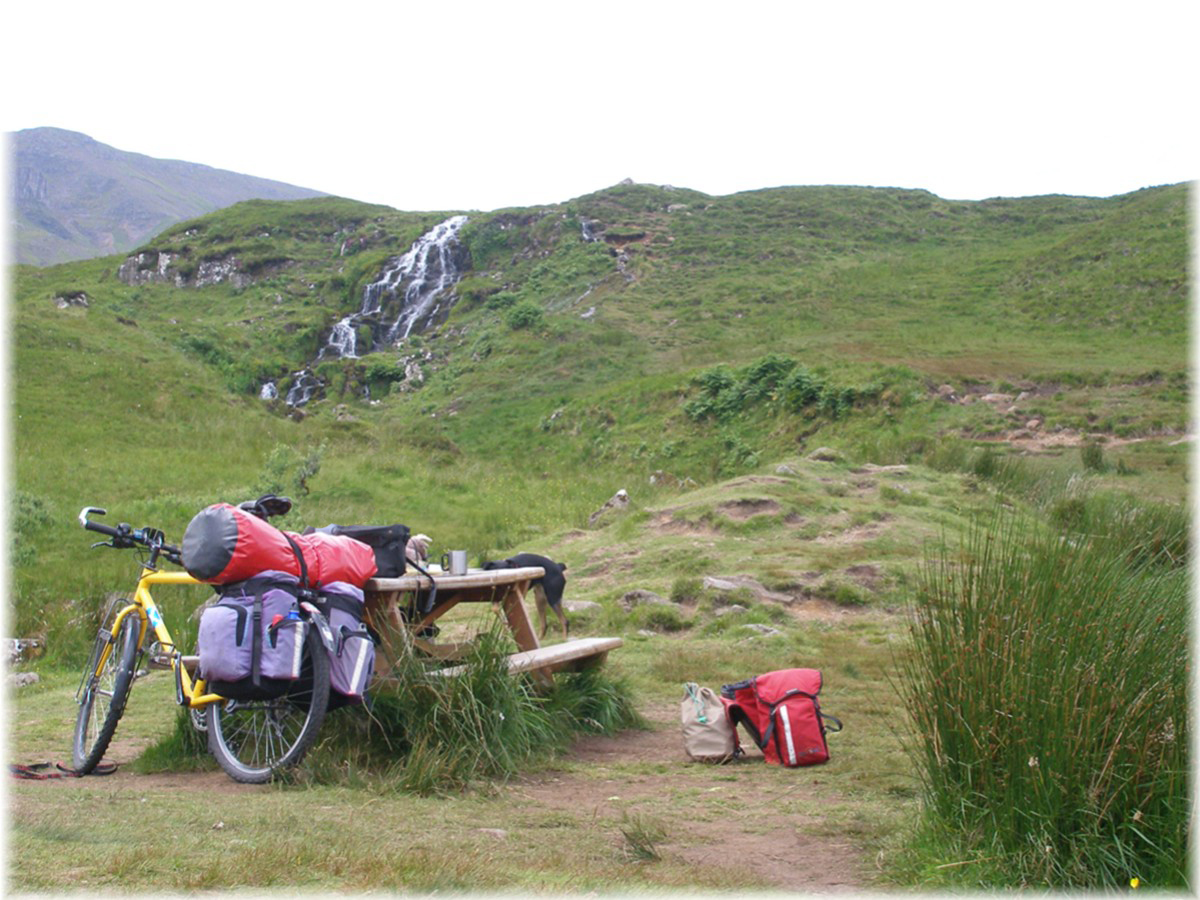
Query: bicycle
[[251, 740]]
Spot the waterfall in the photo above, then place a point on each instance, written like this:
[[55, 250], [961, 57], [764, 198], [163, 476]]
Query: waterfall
[[343, 340], [425, 271], [304, 385], [585, 230], [405, 298], [269, 391]]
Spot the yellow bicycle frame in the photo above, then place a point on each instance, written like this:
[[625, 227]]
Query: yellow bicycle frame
[[143, 606]]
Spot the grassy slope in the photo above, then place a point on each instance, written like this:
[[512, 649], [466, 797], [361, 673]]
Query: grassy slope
[[145, 402]]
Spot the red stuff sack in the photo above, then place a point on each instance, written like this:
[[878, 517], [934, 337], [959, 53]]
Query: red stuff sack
[[779, 710], [224, 544]]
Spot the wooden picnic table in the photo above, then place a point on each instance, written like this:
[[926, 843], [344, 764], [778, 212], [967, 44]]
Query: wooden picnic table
[[392, 608]]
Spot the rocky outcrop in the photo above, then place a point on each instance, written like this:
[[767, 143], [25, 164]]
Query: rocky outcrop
[[149, 267], [72, 298], [727, 588], [161, 267]]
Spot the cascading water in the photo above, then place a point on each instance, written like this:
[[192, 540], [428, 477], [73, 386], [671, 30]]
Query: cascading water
[[406, 298], [424, 272]]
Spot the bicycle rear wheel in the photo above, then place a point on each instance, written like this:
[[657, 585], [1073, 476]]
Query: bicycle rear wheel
[[103, 693], [253, 739]]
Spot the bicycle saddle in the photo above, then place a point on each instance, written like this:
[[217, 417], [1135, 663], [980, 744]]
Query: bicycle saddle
[[266, 506]]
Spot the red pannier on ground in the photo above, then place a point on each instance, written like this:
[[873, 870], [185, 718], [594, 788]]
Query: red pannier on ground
[[224, 544], [779, 711]]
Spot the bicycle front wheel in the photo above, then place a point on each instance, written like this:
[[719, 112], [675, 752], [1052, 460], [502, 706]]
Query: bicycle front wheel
[[253, 739], [103, 694]]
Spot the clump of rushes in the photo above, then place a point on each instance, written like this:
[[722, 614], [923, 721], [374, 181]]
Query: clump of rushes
[[429, 733], [1047, 688]]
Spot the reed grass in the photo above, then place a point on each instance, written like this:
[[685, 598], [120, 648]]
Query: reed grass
[[1047, 690], [428, 733]]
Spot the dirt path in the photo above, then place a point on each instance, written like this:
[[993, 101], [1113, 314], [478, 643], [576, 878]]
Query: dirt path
[[713, 818], [744, 824]]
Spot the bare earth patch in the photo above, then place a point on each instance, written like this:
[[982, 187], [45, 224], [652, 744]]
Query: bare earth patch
[[729, 824], [746, 509]]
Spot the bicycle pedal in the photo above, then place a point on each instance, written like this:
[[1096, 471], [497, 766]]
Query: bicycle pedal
[[159, 662]]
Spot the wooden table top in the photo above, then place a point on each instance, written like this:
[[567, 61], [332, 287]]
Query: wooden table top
[[475, 578]]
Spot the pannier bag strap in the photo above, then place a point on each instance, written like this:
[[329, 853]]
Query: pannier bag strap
[[299, 558], [431, 599], [830, 718], [256, 638]]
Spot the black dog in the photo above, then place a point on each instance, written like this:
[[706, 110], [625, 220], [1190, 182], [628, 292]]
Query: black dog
[[547, 590]]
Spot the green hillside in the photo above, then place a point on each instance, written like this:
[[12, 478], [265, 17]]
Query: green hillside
[[700, 337], [830, 407]]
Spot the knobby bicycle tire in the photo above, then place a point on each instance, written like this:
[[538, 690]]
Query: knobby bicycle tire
[[104, 695], [254, 739]]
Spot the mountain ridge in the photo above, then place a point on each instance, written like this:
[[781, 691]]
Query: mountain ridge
[[77, 198]]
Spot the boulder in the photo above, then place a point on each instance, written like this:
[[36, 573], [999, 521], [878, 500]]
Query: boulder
[[725, 585], [825, 454], [618, 501]]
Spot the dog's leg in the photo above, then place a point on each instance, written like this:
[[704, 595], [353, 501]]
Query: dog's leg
[[562, 618], [539, 595]]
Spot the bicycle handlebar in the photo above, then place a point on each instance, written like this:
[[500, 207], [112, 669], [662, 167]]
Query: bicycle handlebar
[[124, 536]]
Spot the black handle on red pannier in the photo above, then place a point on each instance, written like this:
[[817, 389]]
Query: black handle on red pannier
[[424, 608]]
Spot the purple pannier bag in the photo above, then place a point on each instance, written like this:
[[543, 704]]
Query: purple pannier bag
[[251, 640], [352, 662]]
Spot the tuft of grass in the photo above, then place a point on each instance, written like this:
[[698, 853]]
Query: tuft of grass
[[427, 733], [1048, 692], [641, 837], [183, 750]]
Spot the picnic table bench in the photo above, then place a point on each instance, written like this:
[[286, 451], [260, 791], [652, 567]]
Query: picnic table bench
[[393, 610]]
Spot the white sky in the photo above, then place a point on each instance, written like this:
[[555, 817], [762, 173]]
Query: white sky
[[472, 105]]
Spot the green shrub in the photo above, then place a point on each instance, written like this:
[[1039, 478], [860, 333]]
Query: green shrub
[[502, 300], [686, 588], [525, 314], [660, 617], [1092, 455]]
